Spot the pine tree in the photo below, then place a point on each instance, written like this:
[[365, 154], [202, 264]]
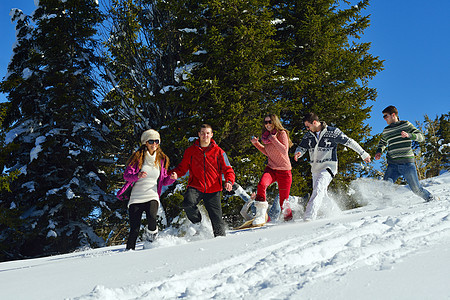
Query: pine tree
[[6, 177], [138, 69], [8, 215], [139, 87], [54, 120], [327, 71], [214, 62], [229, 56], [436, 148]]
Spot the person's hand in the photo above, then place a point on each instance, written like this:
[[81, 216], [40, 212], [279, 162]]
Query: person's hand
[[297, 155], [377, 156], [367, 160], [174, 176], [142, 175], [254, 140], [405, 134], [228, 186]]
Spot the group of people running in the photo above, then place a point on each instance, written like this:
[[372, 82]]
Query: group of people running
[[209, 171]]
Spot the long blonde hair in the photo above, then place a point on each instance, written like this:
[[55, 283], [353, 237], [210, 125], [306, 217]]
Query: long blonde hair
[[277, 126], [138, 157]]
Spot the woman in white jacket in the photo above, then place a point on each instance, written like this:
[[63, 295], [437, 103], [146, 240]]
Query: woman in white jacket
[[321, 142], [145, 174]]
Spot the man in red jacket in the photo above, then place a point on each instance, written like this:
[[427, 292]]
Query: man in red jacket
[[205, 161]]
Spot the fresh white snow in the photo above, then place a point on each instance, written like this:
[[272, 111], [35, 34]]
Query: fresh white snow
[[394, 247]]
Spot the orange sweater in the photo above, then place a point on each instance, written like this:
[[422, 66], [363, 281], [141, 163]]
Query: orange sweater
[[277, 151]]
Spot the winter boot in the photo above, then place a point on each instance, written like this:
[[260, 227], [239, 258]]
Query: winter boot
[[150, 235], [261, 209], [287, 211]]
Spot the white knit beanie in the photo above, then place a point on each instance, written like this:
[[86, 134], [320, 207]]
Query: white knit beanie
[[150, 135]]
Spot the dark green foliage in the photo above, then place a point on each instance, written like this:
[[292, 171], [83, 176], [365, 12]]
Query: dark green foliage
[[5, 177], [432, 156], [326, 70], [172, 204], [229, 56], [437, 145], [54, 120], [171, 66], [228, 63], [138, 66], [231, 207], [138, 63]]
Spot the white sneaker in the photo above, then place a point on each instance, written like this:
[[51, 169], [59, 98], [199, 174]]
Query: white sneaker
[[261, 209]]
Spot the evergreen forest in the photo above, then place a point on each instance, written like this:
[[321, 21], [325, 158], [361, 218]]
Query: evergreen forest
[[87, 77]]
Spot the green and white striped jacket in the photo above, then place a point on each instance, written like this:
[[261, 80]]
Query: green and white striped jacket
[[399, 150]]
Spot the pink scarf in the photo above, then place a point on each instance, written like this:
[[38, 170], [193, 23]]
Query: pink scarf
[[265, 136]]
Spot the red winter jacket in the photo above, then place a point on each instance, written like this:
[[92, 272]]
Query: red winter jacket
[[205, 166]]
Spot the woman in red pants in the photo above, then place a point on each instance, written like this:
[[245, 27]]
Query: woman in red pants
[[275, 145]]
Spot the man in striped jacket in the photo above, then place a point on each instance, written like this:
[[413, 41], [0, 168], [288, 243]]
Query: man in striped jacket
[[397, 137]]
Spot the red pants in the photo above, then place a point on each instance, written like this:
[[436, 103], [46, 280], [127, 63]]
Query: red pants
[[284, 179]]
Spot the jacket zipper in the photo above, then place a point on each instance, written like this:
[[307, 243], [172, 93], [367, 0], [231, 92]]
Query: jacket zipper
[[204, 167]]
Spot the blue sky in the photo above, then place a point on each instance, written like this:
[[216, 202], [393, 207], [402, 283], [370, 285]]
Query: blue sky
[[411, 36]]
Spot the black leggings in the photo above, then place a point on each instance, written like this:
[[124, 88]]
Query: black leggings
[[135, 211]]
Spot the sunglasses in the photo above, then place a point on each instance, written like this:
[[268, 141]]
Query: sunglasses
[[267, 122], [385, 116], [153, 141]]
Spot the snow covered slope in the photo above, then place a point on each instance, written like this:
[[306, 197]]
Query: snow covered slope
[[394, 247]]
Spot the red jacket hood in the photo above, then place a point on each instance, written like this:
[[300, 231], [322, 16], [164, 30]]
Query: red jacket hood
[[206, 167]]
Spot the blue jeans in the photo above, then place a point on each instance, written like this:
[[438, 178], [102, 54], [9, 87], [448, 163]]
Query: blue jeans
[[409, 172], [275, 209]]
